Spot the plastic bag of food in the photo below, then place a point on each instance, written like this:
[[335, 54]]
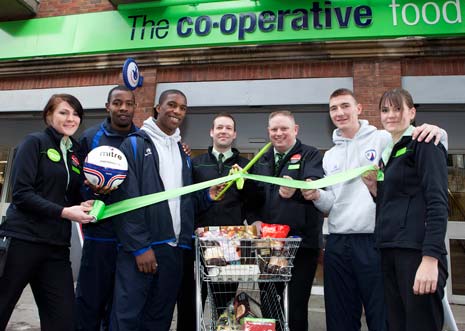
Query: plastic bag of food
[[274, 230]]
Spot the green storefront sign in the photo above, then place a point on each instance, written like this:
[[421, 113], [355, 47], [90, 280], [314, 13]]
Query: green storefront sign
[[235, 22]]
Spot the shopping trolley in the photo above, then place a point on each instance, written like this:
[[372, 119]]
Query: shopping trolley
[[242, 278]]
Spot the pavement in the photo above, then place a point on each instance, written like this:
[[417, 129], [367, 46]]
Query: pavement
[[26, 318]]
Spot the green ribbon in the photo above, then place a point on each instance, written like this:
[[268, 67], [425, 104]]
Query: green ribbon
[[313, 185], [100, 211], [240, 181]]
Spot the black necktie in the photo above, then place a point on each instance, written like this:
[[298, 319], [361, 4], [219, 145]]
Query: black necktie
[[278, 163], [220, 163]]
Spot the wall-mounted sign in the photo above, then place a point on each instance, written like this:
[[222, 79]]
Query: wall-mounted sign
[[226, 23], [131, 74]]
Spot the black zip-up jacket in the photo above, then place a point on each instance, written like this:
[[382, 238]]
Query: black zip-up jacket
[[301, 215], [412, 203], [40, 190], [232, 209], [151, 225], [99, 135]]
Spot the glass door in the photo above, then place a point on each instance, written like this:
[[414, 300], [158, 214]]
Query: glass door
[[455, 240]]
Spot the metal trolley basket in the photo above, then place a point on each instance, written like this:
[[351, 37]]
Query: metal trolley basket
[[256, 271]]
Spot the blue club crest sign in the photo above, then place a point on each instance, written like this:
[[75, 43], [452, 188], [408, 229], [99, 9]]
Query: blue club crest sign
[[131, 74]]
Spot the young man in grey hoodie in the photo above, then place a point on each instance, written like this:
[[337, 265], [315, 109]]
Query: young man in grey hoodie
[[149, 262], [353, 277]]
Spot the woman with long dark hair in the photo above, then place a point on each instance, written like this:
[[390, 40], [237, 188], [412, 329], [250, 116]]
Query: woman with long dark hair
[[46, 178]]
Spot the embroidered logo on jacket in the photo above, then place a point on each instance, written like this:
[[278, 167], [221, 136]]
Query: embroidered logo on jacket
[[370, 154], [148, 152]]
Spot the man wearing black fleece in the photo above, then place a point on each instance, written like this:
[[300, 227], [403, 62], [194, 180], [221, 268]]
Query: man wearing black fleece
[[290, 158], [231, 210]]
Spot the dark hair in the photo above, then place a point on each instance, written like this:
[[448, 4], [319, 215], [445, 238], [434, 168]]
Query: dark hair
[[343, 91], [396, 97], [120, 88], [56, 99], [162, 98], [224, 114], [165, 94]]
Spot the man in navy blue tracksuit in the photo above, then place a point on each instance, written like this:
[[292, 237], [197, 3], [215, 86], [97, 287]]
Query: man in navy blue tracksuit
[[94, 292], [149, 261]]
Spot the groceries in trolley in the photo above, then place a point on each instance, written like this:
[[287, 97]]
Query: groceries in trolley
[[274, 230], [246, 306], [243, 313], [227, 320], [239, 253]]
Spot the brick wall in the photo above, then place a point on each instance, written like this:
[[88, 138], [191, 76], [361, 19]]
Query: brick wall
[[145, 96], [433, 66], [371, 77], [48, 8], [371, 80], [256, 71], [60, 80]]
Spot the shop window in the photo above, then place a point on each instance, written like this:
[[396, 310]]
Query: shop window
[[457, 262], [5, 196], [4, 153], [456, 177]]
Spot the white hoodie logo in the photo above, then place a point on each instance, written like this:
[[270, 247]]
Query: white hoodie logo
[[370, 154], [335, 168]]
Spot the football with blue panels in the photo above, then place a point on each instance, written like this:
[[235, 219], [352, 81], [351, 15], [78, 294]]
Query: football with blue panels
[[105, 166]]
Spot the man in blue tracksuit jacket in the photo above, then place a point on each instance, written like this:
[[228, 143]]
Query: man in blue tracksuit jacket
[[149, 262], [94, 292]]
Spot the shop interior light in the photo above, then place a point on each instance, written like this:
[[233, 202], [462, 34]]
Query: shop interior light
[[166, 3]]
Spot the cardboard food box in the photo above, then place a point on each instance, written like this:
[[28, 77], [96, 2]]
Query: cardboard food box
[[236, 272], [259, 324]]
